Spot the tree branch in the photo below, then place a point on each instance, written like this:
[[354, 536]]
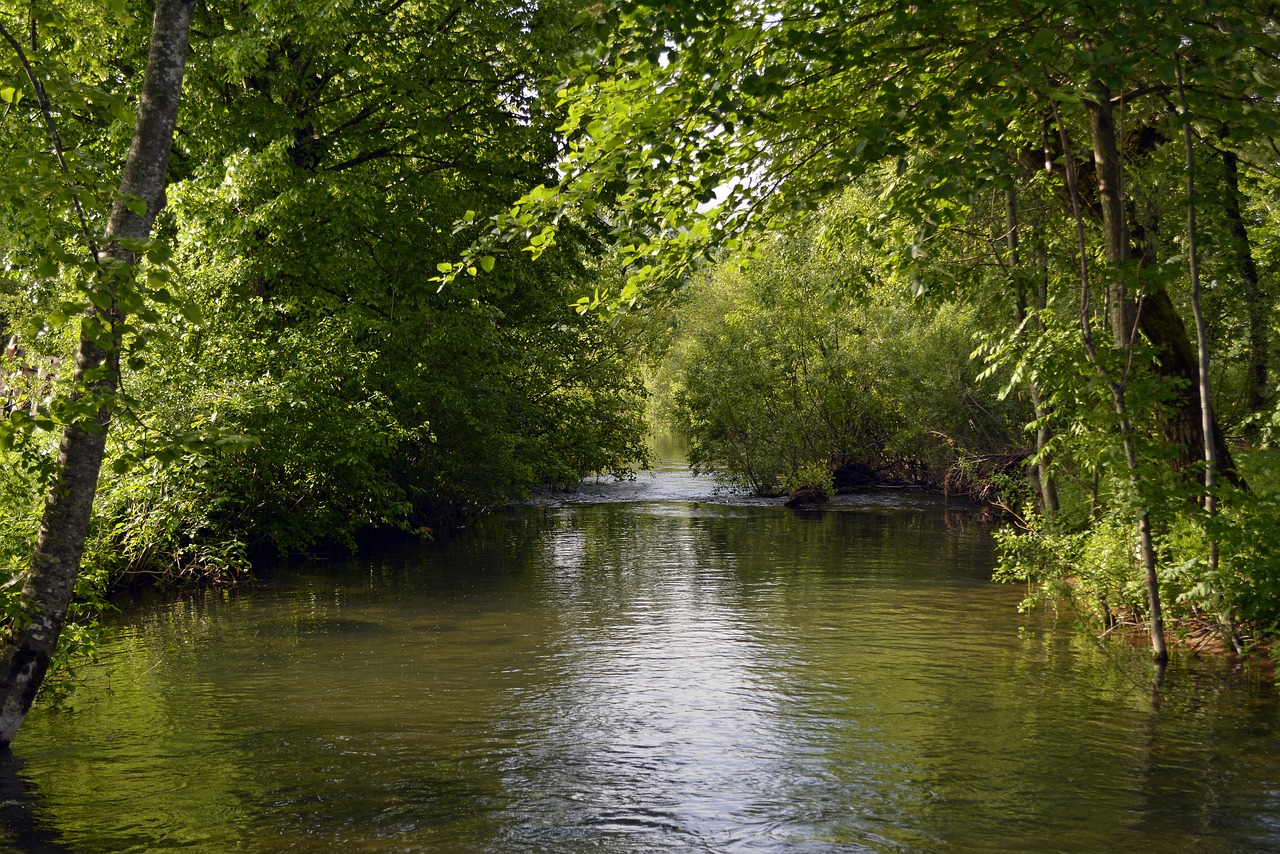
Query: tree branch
[[42, 98]]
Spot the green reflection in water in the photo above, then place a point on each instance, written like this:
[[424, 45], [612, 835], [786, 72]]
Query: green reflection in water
[[641, 677]]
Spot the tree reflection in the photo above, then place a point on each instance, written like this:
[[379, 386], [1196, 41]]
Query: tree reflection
[[21, 808]]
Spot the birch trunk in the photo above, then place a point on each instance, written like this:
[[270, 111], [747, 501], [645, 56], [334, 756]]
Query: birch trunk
[[28, 643]]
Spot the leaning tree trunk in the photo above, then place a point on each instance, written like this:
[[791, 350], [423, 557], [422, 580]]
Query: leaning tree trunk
[[1182, 420], [1255, 296], [29, 641]]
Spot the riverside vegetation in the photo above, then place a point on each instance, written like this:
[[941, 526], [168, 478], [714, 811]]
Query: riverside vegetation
[[880, 240], [285, 373]]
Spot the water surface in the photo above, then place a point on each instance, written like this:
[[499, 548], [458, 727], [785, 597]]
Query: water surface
[[661, 668]]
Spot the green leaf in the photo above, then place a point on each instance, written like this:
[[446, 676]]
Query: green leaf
[[1043, 39], [102, 299], [487, 262], [192, 313], [160, 253]]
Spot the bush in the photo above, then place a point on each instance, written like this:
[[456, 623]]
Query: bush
[[804, 359]]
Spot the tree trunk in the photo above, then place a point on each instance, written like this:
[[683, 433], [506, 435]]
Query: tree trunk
[[1182, 420], [1044, 433], [1041, 475], [1255, 298], [1115, 230], [1202, 358], [1152, 314], [1115, 222], [29, 641]]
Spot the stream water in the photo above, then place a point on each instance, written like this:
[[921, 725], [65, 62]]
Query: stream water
[[646, 666]]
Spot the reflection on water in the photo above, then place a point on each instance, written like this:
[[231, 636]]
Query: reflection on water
[[20, 820], [645, 677]]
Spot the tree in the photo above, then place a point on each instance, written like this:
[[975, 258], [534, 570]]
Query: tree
[[303, 381], [769, 111], [322, 169], [30, 637]]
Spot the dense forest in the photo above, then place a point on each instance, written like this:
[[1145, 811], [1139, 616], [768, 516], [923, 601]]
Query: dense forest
[[282, 273]]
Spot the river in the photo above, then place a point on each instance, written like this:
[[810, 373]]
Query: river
[[644, 667]]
